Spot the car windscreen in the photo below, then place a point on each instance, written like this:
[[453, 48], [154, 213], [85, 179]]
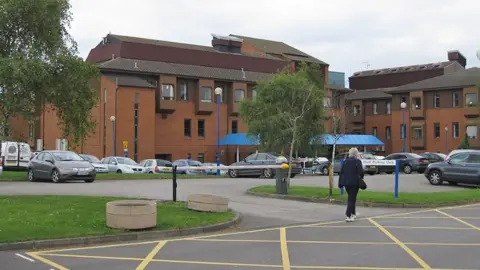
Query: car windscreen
[[442, 155], [91, 159], [368, 156], [164, 163], [194, 163], [126, 161], [413, 155], [66, 156]]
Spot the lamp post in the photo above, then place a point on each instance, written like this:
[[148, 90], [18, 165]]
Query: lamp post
[[446, 140], [403, 105], [218, 93], [114, 136]]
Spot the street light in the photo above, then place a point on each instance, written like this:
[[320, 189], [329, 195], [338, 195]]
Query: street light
[[218, 93], [403, 105], [114, 136], [446, 139]]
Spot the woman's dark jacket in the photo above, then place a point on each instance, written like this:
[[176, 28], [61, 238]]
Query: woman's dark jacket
[[351, 172]]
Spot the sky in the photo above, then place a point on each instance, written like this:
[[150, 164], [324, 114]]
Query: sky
[[350, 35]]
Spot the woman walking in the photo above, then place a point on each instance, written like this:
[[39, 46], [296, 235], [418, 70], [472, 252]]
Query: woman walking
[[351, 178]]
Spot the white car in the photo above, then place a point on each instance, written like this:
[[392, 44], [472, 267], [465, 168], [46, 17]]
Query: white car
[[99, 167], [156, 166], [16, 155], [122, 165], [379, 157], [214, 171]]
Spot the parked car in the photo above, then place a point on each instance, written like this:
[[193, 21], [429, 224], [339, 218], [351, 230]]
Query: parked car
[[409, 162], [59, 166], [214, 171], [456, 151], [16, 155], [156, 166], [434, 157], [379, 157], [99, 167], [463, 168], [321, 165], [370, 169], [261, 159], [122, 165], [188, 163]]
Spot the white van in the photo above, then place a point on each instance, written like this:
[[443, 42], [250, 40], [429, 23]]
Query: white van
[[15, 156]]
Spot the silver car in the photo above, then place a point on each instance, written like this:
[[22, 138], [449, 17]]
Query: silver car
[[99, 168], [156, 166], [59, 166], [122, 165]]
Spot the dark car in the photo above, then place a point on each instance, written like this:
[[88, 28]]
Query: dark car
[[461, 168], [409, 162], [434, 157], [261, 159], [59, 166]]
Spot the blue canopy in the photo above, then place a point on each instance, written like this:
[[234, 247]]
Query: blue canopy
[[351, 139], [239, 139]]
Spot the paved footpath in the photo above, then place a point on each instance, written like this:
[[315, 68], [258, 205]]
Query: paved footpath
[[446, 238]]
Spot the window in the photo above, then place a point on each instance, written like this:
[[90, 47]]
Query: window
[[436, 100], [470, 100], [455, 130], [356, 110], [239, 95], [326, 102], [201, 157], [135, 126], [31, 128], [388, 133], [474, 158], [167, 92], [251, 157], [389, 107], [374, 108], [336, 101], [455, 99], [436, 130], [201, 128], [183, 91], [206, 94], [472, 132], [403, 131], [187, 128], [417, 133], [234, 126], [374, 131], [417, 103], [254, 94], [459, 158]]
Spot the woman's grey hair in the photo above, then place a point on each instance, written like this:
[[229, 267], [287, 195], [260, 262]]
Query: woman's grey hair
[[353, 152]]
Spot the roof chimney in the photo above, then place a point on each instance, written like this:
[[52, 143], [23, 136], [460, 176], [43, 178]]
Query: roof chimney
[[227, 43], [458, 57]]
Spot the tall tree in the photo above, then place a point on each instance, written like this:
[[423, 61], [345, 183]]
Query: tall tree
[[39, 66], [288, 110]]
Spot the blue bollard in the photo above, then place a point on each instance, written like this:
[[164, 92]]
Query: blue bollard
[[342, 190], [397, 170]]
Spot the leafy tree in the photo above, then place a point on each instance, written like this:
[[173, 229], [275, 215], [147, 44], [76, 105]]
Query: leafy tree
[[39, 66], [465, 144], [288, 108], [338, 130]]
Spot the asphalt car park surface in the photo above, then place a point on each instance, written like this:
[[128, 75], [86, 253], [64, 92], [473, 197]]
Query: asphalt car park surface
[[446, 238]]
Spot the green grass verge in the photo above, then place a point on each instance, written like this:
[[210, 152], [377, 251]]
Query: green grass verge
[[457, 196], [48, 217], [22, 176]]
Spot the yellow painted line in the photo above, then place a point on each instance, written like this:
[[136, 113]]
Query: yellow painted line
[[340, 242], [410, 217], [93, 257], [459, 220], [46, 261], [352, 267], [429, 228], [284, 249], [344, 226], [219, 263], [444, 244], [402, 245], [95, 247], [237, 240], [151, 255]]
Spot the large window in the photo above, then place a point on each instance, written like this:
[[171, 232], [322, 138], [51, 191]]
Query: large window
[[201, 128], [417, 133], [234, 126], [187, 128], [356, 110], [183, 87], [374, 131], [374, 108], [417, 103], [388, 107], [436, 130], [436, 100], [455, 130], [455, 99], [472, 132], [388, 133], [471, 100], [239, 95], [168, 92], [135, 127], [206, 94]]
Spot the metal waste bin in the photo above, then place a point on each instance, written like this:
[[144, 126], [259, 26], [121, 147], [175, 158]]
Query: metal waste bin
[[281, 176]]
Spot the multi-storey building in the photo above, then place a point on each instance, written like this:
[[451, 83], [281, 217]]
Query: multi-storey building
[[159, 96]]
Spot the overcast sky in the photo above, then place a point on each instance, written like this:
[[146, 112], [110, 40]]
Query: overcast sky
[[348, 34]]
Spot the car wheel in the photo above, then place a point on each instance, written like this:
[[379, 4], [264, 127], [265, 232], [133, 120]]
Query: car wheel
[[452, 183], [267, 173], [388, 172], [55, 176], [119, 171], [435, 177], [372, 173], [31, 176], [233, 173], [325, 170], [407, 169], [89, 180]]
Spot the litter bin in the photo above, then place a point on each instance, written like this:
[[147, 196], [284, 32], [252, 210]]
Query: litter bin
[[281, 176]]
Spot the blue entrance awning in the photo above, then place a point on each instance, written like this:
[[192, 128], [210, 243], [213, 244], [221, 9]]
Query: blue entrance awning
[[239, 139], [351, 140]]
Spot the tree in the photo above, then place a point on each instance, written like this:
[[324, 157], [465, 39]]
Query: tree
[[337, 131], [288, 108], [465, 144], [39, 66]]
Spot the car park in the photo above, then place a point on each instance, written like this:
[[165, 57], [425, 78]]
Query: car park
[[258, 159], [409, 162], [122, 165], [99, 167], [460, 168], [156, 166], [59, 166]]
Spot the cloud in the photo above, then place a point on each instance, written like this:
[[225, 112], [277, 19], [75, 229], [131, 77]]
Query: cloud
[[344, 33]]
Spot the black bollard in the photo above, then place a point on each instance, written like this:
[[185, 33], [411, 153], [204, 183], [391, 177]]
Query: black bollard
[[174, 178]]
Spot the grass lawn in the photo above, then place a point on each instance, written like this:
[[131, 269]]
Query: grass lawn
[[457, 196], [22, 176], [47, 217]]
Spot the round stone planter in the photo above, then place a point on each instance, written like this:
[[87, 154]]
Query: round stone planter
[[207, 203], [132, 214]]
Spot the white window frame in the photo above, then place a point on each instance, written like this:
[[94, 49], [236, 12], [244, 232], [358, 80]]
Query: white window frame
[[170, 88], [183, 91], [206, 94], [474, 128], [239, 90]]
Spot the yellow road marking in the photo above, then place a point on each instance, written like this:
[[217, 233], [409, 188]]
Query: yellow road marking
[[220, 263], [459, 220], [46, 261], [284, 249], [341, 242], [151, 255], [93, 257], [95, 247], [402, 245], [354, 268], [236, 240], [397, 227]]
